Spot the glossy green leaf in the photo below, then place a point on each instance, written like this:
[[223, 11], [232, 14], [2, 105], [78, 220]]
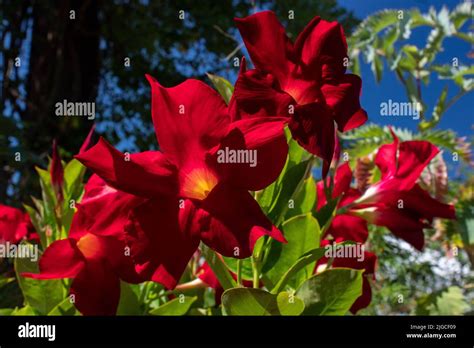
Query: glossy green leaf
[[304, 200], [249, 301], [308, 258], [66, 307], [27, 310], [331, 292], [231, 263], [176, 307], [42, 295], [302, 234], [218, 267], [223, 86], [129, 303]]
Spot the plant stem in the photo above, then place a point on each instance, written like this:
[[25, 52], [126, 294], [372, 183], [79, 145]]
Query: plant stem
[[256, 273], [239, 272]]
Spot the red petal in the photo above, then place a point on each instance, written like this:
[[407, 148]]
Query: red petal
[[232, 221], [342, 180], [87, 144], [162, 254], [347, 227], [189, 118], [413, 157], [13, 224], [313, 128], [262, 138], [145, 174], [417, 202], [267, 43], [62, 259], [104, 210], [206, 274], [322, 48], [96, 290], [258, 94], [402, 224], [342, 97]]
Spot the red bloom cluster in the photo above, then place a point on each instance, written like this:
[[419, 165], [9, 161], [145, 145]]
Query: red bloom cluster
[[396, 202], [15, 225], [304, 81], [144, 215], [94, 254]]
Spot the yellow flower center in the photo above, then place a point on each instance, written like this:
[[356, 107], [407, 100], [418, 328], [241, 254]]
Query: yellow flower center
[[198, 183], [90, 246]]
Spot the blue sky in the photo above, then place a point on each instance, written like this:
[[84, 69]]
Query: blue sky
[[460, 116]]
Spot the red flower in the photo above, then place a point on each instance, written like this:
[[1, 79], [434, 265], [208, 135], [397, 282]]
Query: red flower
[[304, 80], [192, 194], [96, 262], [15, 225], [367, 264], [88, 141], [396, 201], [57, 173]]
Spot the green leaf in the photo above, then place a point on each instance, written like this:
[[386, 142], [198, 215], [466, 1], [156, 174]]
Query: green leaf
[[450, 301], [288, 189], [437, 111], [42, 295], [64, 308], [218, 267], [36, 221], [275, 198], [377, 67], [73, 177], [129, 303], [308, 258], [302, 234], [6, 311], [331, 292], [231, 263], [248, 301], [46, 186], [175, 307], [27, 310], [304, 200], [223, 86]]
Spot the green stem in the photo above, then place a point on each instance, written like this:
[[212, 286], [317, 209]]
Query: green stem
[[256, 273], [218, 267], [239, 272]]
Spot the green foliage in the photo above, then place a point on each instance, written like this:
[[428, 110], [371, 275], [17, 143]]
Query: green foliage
[[64, 308], [336, 299], [383, 37], [301, 263], [302, 234], [218, 267], [450, 301], [277, 198], [41, 295], [245, 301], [223, 86], [129, 303], [175, 307], [365, 140]]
